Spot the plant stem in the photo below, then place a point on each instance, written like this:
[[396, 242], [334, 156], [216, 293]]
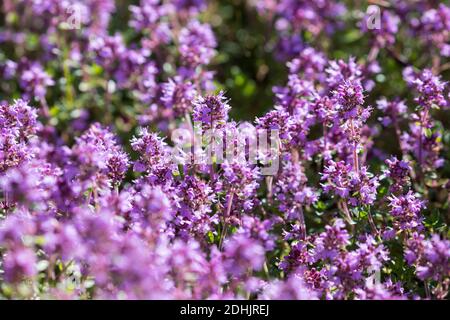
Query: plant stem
[[427, 290], [423, 118], [355, 149], [302, 224], [269, 183], [6, 203], [372, 223]]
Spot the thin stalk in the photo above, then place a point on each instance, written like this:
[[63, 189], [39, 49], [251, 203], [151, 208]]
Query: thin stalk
[[436, 64], [108, 104], [6, 203], [302, 224], [427, 289], [373, 53], [423, 118], [89, 196], [398, 134], [269, 183]]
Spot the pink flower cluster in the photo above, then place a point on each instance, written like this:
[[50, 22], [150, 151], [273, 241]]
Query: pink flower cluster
[[92, 205]]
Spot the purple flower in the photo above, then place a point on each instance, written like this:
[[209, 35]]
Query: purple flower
[[378, 291], [99, 156], [275, 120], [187, 262], [434, 26], [292, 191], [191, 6], [19, 264], [350, 97], [19, 258], [386, 33], [8, 69], [340, 71], [152, 209], [371, 255], [117, 166], [18, 124], [414, 248], [425, 144], [34, 80], [253, 227], [292, 288], [243, 254], [240, 181], [147, 14], [329, 243], [435, 262], [152, 149], [178, 96], [19, 119], [295, 95], [326, 110], [299, 256], [310, 63], [356, 187], [430, 89], [108, 51], [392, 111], [195, 198], [75, 223], [398, 171]]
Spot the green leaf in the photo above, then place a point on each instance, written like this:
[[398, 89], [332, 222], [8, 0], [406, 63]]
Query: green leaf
[[428, 132]]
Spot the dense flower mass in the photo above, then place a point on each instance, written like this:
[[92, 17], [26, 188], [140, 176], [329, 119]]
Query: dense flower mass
[[181, 155]]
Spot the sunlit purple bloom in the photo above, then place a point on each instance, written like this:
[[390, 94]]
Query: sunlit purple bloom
[[211, 111], [350, 96], [430, 88], [329, 242], [152, 149], [292, 288], [292, 191], [424, 146], [344, 182]]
